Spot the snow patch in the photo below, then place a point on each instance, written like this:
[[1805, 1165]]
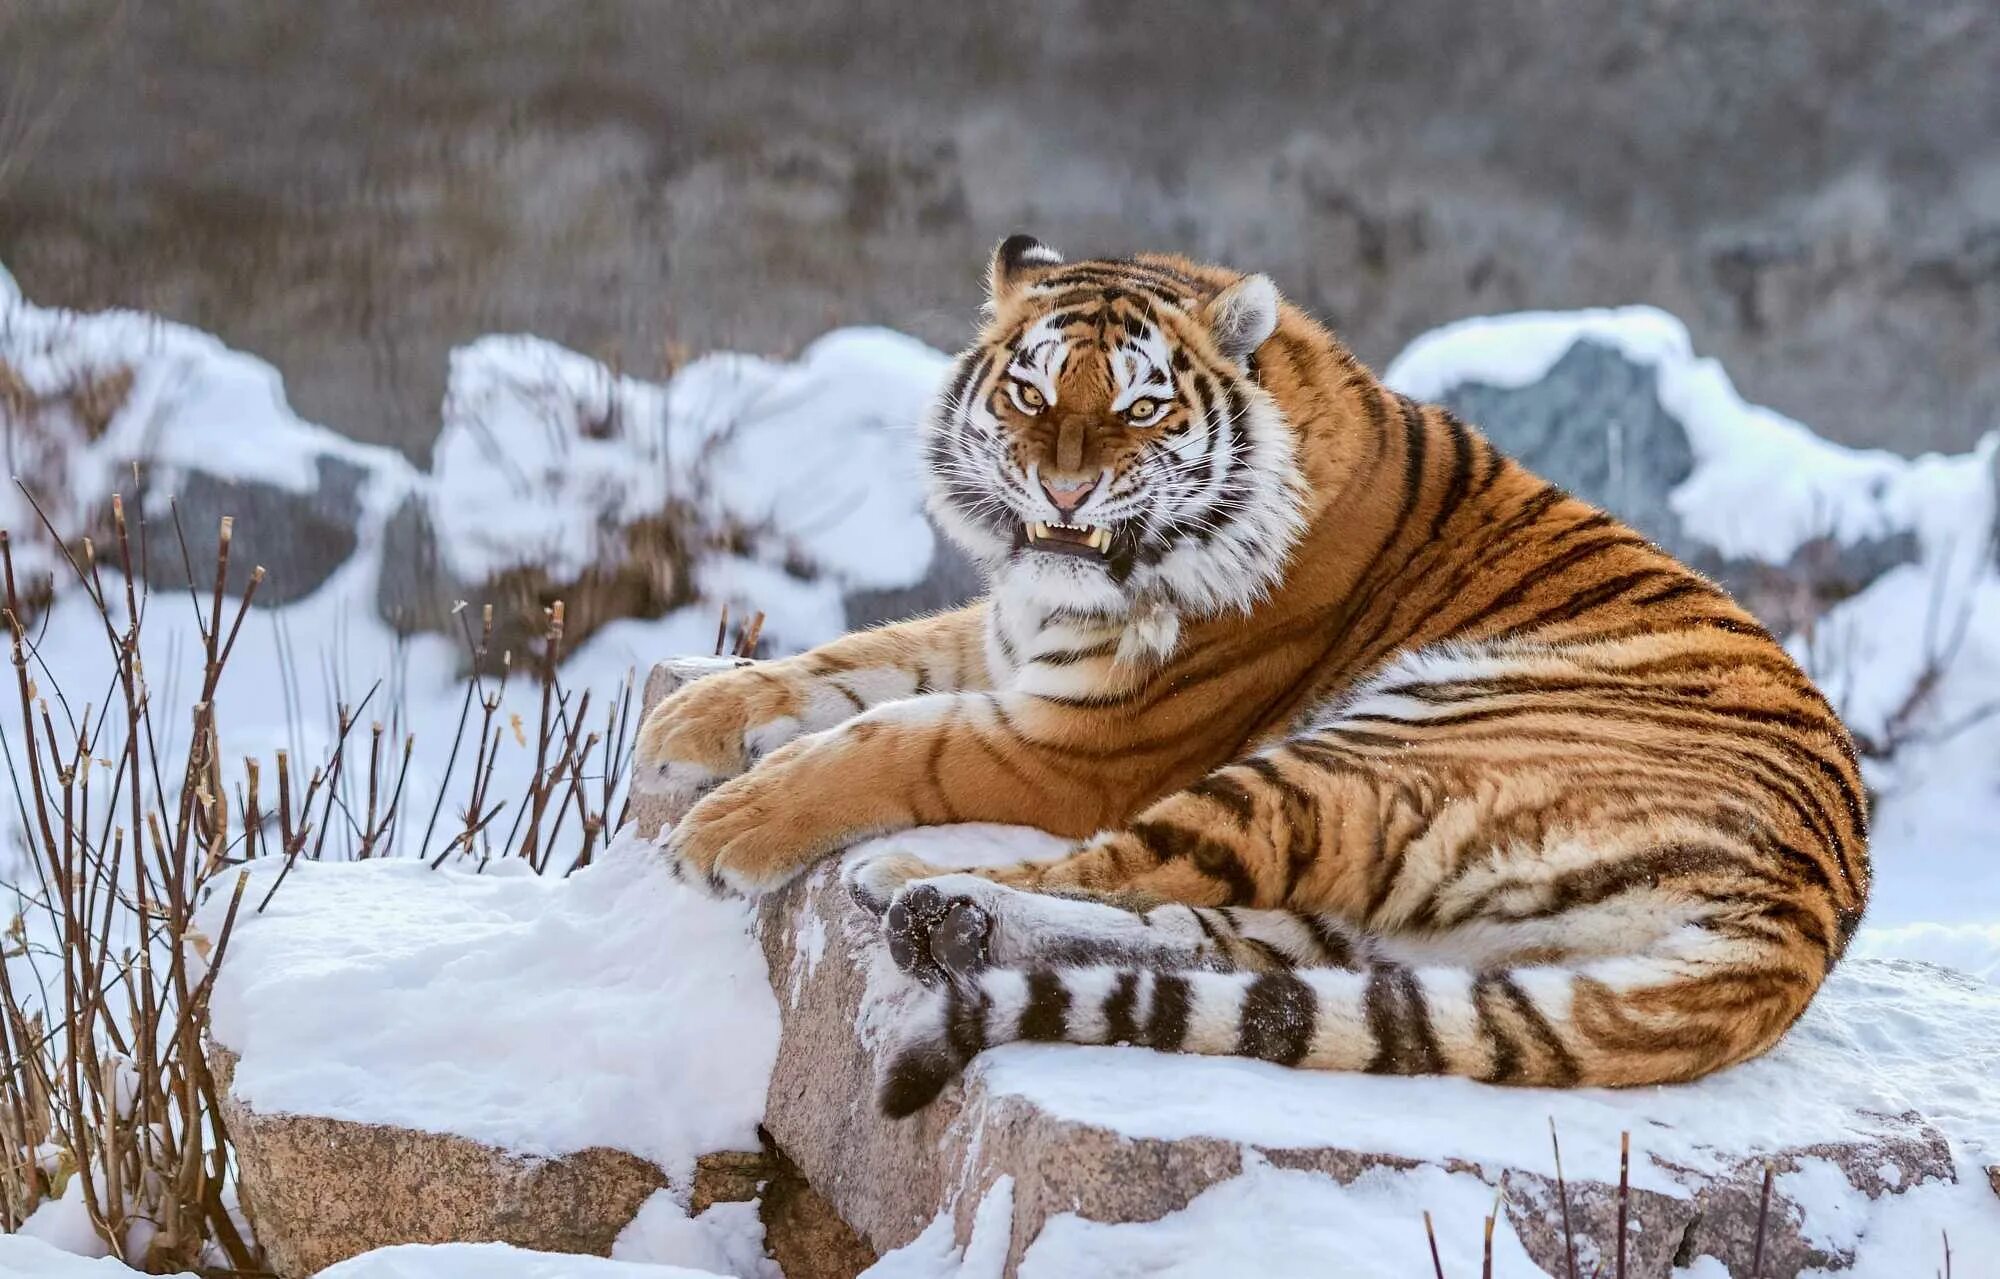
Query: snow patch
[[727, 1238], [1280, 1224], [493, 1261], [23, 1256], [546, 456], [612, 1008]]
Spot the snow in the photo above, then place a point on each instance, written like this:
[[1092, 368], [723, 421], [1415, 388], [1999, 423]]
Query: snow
[[23, 1256], [1282, 1224], [63, 1223], [493, 1261], [612, 1008], [185, 384], [1272, 1222], [727, 1238], [934, 1254]]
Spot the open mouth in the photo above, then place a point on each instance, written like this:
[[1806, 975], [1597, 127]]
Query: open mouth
[[1070, 539]]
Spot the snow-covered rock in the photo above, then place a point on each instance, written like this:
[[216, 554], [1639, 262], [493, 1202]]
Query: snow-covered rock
[[169, 417], [426, 1056], [1614, 406], [767, 485]]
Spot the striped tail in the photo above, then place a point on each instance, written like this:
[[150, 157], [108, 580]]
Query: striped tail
[[1609, 1022]]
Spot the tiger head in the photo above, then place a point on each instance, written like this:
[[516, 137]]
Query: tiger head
[[1105, 446]]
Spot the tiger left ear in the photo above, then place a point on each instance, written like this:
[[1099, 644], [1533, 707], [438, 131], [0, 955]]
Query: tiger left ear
[[1016, 256], [1242, 316]]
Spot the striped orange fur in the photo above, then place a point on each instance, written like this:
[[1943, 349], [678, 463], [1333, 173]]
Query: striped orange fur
[[1381, 752]]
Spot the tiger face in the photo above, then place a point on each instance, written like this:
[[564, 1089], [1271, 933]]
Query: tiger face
[[1105, 444]]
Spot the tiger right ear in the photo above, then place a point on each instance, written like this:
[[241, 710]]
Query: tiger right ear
[[1016, 256]]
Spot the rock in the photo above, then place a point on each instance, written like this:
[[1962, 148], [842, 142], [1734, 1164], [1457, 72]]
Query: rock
[[300, 539], [802, 1232], [320, 1190], [1595, 425], [417, 591]]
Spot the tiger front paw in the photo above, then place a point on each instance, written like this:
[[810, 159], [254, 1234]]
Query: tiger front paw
[[752, 834], [710, 730]]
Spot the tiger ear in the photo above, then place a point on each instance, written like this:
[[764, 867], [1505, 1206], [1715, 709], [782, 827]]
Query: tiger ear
[[1016, 256], [1242, 316]]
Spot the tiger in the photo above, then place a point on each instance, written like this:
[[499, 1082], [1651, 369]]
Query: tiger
[[1376, 751]]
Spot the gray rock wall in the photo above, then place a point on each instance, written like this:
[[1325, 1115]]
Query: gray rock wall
[[350, 190]]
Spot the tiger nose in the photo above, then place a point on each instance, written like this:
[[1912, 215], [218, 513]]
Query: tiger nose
[[1068, 498]]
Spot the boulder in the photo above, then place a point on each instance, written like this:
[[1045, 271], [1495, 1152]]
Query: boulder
[[483, 1054], [320, 1190], [299, 538]]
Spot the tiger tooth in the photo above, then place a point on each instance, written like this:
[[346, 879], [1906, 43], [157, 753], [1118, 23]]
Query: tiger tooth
[[1100, 539], [1039, 529]]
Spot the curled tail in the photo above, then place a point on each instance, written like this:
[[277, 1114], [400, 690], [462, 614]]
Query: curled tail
[[1608, 1022]]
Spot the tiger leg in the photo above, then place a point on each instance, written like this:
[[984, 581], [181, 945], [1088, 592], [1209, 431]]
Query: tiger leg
[[951, 926], [714, 728], [1662, 1017], [1304, 824]]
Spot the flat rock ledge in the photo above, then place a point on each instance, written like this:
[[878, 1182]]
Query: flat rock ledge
[[320, 1190], [888, 1180]]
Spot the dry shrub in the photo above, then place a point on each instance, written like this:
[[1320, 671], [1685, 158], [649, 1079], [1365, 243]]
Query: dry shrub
[[104, 1090]]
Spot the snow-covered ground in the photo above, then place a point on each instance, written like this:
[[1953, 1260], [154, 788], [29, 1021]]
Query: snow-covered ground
[[819, 456]]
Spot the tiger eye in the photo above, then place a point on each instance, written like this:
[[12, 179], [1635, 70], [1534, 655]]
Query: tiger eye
[[1030, 396], [1142, 410]]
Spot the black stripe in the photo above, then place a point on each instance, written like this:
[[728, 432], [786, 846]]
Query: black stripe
[[1378, 1007], [1168, 842], [853, 698], [1167, 1019], [1046, 1015], [1277, 1019], [1583, 602], [1545, 572], [1071, 656], [1399, 1020], [1507, 1060], [1461, 472], [1335, 949], [1119, 1027], [1563, 1068], [1426, 1057], [1300, 825], [1415, 440], [1229, 793]]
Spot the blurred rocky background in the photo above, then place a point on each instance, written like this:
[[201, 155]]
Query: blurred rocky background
[[353, 188]]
